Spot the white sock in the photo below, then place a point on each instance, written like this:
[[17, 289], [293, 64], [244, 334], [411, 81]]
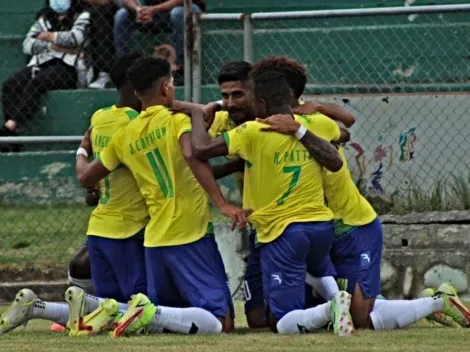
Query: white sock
[[394, 314], [56, 312], [185, 321], [326, 286], [85, 284], [93, 302], [302, 321]]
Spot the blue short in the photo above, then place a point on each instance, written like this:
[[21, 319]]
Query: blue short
[[117, 266], [253, 280], [284, 264], [189, 275], [356, 257]]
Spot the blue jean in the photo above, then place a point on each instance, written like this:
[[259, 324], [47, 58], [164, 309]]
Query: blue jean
[[125, 25]]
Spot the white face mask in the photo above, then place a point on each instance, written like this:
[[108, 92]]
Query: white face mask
[[60, 6]]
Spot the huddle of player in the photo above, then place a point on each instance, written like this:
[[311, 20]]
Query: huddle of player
[[151, 240]]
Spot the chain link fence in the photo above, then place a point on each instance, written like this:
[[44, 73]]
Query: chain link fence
[[54, 73], [405, 77], [403, 72]]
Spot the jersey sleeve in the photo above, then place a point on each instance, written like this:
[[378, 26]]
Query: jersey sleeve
[[111, 156], [182, 124], [324, 127], [240, 139]]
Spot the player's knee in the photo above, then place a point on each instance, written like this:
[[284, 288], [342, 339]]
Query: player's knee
[[79, 266], [256, 318], [228, 324]]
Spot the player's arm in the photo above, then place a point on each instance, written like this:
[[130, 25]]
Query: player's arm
[[88, 174], [203, 173], [228, 168], [204, 146], [319, 149], [344, 134], [333, 111], [187, 108]]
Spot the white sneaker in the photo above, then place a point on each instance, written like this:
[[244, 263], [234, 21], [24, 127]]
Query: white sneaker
[[19, 312], [340, 316], [75, 298], [101, 82]]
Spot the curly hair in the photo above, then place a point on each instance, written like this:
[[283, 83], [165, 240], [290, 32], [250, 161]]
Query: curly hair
[[293, 71], [146, 71]]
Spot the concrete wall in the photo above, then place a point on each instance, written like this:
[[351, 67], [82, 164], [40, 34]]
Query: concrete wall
[[403, 141]]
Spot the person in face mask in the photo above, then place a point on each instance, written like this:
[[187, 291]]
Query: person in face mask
[[54, 42]]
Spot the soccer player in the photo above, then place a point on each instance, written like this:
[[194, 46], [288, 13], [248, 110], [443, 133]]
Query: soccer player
[[115, 231], [292, 223], [184, 266], [358, 244]]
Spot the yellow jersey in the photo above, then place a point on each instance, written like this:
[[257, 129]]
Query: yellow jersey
[[223, 123], [149, 146], [344, 199], [349, 207], [283, 184], [121, 211]]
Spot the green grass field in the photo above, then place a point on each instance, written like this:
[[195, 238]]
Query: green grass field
[[44, 235], [422, 337]]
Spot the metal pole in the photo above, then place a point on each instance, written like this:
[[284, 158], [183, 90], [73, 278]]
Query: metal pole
[[248, 38], [222, 16], [197, 63], [411, 10], [42, 139], [188, 47]]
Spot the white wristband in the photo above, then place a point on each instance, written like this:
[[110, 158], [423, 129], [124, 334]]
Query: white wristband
[[220, 103], [300, 132], [82, 151]]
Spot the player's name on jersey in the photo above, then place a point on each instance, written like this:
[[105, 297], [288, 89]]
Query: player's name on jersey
[[102, 141], [292, 156], [147, 141]]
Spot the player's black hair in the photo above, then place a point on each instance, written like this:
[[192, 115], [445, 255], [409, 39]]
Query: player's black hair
[[146, 71], [294, 72], [272, 87], [234, 71], [118, 72]]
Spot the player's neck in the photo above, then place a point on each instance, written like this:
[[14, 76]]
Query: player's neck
[[285, 109], [152, 101]]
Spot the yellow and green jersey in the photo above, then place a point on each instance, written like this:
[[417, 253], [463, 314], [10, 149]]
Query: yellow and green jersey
[[149, 146], [349, 207], [121, 211], [223, 123], [283, 184]]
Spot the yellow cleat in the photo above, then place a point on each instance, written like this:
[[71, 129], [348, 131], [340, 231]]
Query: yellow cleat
[[139, 314], [19, 312], [439, 318], [100, 320], [453, 306]]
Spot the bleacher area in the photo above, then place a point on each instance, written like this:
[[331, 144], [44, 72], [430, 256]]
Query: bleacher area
[[345, 55]]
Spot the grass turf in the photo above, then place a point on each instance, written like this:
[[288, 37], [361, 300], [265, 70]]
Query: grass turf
[[422, 336]]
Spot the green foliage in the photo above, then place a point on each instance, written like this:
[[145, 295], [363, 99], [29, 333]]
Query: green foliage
[[448, 193]]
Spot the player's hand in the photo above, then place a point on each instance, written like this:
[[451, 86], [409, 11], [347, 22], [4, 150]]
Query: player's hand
[[209, 113], [309, 107], [237, 215], [93, 196], [86, 141], [284, 124]]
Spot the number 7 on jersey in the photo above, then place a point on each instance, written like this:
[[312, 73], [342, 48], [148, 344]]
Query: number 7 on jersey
[[295, 171]]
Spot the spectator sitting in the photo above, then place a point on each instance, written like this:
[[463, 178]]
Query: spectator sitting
[[101, 47], [55, 42], [159, 14]]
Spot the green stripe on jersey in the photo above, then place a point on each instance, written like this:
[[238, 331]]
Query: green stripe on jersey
[[132, 114]]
